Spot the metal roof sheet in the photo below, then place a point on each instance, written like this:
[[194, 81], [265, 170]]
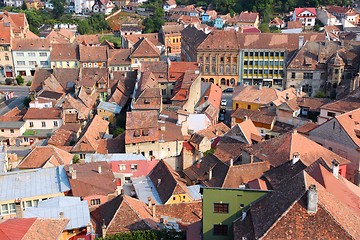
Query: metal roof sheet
[[11, 125], [144, 188], [110, 107], [32, 183], [72, 208], [194, 191], [113, 157]]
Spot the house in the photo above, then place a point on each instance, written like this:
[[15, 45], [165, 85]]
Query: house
[[171, 36], [191, 39], [306, 16], [91, 140], [222, 206], [29, 54], [309, 196], [293, 27], [40, 123], [209, 102], [83, 6], [168, 184], [88, 59], [74, 110], [88, 40], [65, 136], [123, 90], [331, 70], [93, 182], [129, 29], [143, 51], [346, 143], [247, 19], [119, 60], [70, 208], [122, 214], [152, 134], [61, 35], [108, 111], [129, 41], [245, 132], [103, 6], [33, 228], [30, 187], [64, 55], [277, 22], [12, 127], [45, 157], [125, 166], [349, 14], [292, 146], [327, 18], [169, 4]]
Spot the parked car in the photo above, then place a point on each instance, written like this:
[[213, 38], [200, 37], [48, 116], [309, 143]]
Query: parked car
[[221, 117], [229, 90], [223, 102]]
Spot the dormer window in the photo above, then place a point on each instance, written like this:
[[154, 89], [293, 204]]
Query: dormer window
[[137, 133]]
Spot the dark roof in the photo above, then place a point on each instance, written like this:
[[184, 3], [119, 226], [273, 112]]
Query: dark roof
[[167, 182], [200, 170], [256, 116]]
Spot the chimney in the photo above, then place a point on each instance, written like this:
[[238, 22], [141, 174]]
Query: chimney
[[335, 168], [294, 131], [260, 86], [231, 162], [18, 209], [251, 158], [357, 37], [301, 41], [149, 202], [36, 102], [159, 181], [99, 169], [312, 199], [246, 118], [111, 75], [73, 174], [287, 96], [153, 209], [210, 174], [61, 214], [295, 158]]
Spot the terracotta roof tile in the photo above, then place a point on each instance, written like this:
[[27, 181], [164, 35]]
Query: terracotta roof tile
[[89, 181], [88, 39], [31, 45], [93, 53], [256, 116], [144, 48], [214, 131], [152, 37], [350, 123], [43, 113], [45, 156], [141, 126], [184, 213], [64, 52], [119, 57]]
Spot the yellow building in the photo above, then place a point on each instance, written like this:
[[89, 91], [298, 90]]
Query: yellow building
[[171, 35], [108, 111], [143, 51], [218, 58], [64, 55]]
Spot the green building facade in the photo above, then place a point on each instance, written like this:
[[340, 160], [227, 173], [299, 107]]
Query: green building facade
[[221, 207]]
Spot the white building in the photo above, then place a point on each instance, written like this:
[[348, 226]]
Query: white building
[[13, 3], [29, 54], [306, 16], [83, 6], [103, 6]]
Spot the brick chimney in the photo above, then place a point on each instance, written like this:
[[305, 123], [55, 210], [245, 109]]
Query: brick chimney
[[312, 199], [103, 229], [335, 168], [231, 162], [18, 209], [210, 174], [251, 158], [149, 202], [153, 208], [99, 169], [73, 174]]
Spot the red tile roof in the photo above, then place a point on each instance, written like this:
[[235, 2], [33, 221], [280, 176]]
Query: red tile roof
[[26, 44], [45, 156], [144, 48], [301, 10], [43, 113], [89, 181]]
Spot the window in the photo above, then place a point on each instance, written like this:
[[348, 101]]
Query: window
[[19, 54], [95, 201], [307, 89], [20, 62], [134, 167], [12, 208], [31, 124], [56, 124], [82, 155], [248, 106], [11, 130], [32, 62], [220, 230], [43, 124], [221, 208], [4, 209], [150, 153], [43, 54], [6, 58], [28, 204], [122, 167], [31, 54], [2, 130], [330, 114], [44, 63], [308, 75], [67, 64]]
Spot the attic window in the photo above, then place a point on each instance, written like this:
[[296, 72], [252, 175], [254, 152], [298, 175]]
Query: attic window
[[172, 76], [145, 132], [161, 76], [137, 133], [357, 133], [146, 101]]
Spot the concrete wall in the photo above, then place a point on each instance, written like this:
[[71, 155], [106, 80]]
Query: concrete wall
[[49, 123], [31, 60]]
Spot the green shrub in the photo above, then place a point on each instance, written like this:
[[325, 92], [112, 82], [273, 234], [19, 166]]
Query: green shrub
[[20, 80], [76, 158]]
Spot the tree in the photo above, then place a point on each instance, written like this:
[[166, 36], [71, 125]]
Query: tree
[[20, 80], [59, 8], [264, 27], [76, 158], [23, 6], [84, 27], [118, 131]]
